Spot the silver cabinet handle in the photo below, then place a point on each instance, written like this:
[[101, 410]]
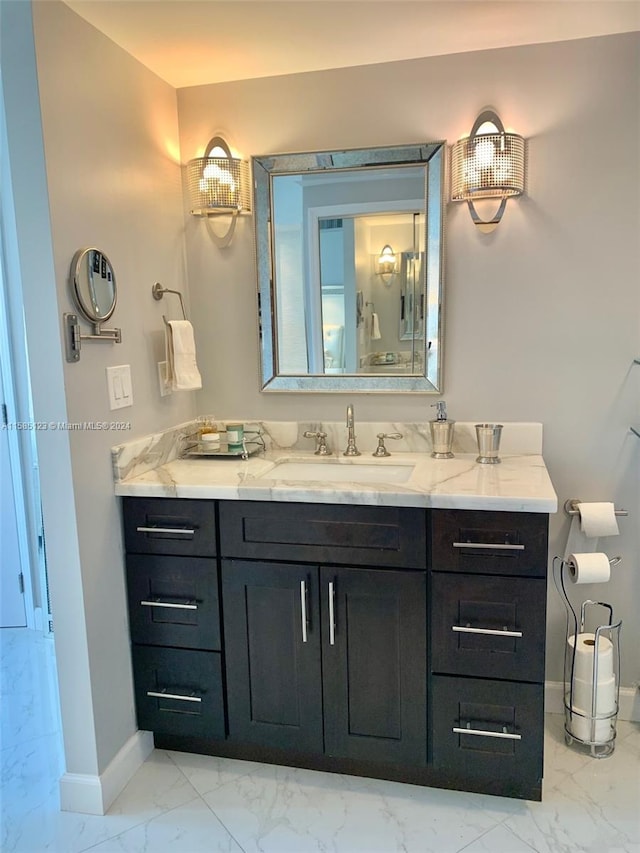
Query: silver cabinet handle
[[161, 694], [488, 545], [303, 609], [463, 629], [182, 531], [169, 604], [481, 733], [332, 614]]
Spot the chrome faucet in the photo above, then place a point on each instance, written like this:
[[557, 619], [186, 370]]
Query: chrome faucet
[[351, 450]]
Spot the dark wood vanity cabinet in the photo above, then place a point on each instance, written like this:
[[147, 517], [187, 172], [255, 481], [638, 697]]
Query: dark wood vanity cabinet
[[488, 624], [326, 658], [174, 615], [383, 641]]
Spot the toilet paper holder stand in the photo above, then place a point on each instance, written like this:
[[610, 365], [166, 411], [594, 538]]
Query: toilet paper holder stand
[[588, 726]]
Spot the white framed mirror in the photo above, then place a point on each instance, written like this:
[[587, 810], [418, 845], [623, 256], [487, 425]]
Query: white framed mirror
[[333, 317]]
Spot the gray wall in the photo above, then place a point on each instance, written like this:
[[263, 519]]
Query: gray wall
[[111, 150], [542, 317]]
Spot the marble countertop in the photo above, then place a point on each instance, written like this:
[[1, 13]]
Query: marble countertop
[[520, 483]]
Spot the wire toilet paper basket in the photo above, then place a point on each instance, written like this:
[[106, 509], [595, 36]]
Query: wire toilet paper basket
[[591, 672]]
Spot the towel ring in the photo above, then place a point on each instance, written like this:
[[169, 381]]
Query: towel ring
[[158, 291]]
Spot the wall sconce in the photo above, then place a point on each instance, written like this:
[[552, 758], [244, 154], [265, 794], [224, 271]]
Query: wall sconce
[[387, 264], [218, 183], [488, 164]]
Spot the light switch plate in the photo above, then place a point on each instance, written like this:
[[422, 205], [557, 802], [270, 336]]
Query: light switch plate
[[120, 387]]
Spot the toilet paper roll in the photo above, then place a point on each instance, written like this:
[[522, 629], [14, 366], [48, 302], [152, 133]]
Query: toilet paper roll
[[605, 695], [585, 646], [579, 724], [598, 519], [589, 568]]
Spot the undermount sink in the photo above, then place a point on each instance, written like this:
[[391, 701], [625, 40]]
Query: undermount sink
[[336, 470]]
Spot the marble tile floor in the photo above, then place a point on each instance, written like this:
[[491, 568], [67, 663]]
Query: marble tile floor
[[197, 804]]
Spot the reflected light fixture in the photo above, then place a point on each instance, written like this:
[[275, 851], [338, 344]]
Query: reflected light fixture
[[387, 264], [218, 183], [488, 164]]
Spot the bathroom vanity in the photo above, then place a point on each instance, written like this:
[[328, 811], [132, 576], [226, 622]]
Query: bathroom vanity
[[392, 631]]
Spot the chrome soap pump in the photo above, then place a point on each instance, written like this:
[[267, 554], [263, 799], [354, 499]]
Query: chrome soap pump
[[441, 432]]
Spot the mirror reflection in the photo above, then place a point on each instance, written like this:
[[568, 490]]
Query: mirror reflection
[[94, 284], [349, 265]]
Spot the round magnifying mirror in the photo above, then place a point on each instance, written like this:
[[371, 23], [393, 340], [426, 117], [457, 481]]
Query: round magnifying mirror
[[94, 284]]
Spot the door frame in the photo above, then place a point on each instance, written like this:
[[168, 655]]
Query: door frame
[[20, 456]]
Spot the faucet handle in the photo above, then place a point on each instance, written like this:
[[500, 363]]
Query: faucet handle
[[321, 442], [381, 450]]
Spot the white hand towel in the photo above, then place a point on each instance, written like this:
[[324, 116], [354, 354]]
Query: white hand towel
[[375, 327], [182, 370]]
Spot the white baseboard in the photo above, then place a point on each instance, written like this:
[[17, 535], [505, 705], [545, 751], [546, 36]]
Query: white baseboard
[[88, 794], [629, 701]]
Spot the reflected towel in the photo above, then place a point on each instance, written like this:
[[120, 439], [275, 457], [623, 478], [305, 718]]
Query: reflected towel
[[375, 327], [182, 370]]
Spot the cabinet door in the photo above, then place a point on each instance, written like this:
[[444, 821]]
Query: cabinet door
[[272, 643], [374, 664]]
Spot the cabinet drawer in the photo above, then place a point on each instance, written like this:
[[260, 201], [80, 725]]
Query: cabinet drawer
[[179, 692], [501, 543], [324, 533], [173, 601], [502, 727], [170, 526], [488, 626]]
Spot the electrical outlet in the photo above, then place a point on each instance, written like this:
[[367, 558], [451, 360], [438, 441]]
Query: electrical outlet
[[119, 385], [165, 390]]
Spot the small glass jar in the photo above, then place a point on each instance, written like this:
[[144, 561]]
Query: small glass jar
[[235, 436]]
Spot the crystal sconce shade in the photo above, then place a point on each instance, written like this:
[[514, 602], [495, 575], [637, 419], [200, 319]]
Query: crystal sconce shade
[[488, 164]]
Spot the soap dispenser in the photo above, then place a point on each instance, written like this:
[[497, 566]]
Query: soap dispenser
[[441, 432]]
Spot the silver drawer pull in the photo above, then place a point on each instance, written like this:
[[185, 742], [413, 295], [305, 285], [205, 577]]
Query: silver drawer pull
[[332, 614], [163, 695], [169, 604], [489, 546], [481, 733], [303, 608], [463, 629], [181, 531]]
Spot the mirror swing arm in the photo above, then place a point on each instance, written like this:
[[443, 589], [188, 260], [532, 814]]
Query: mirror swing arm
[[96, 300], [73, 336]]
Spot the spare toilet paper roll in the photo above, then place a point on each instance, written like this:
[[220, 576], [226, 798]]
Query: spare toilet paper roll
[[585, 646], [605, 695], [589, 568], [580, 726], [598, 519]]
